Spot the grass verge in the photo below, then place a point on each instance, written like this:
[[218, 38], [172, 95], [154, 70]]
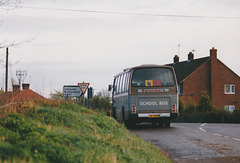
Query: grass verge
[[64, 132]]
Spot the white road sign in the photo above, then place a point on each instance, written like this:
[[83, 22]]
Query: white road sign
[[71, 91], [83, 87]]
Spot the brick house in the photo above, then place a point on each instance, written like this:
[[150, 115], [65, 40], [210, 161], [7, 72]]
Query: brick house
[[16, 95], [211, 75]]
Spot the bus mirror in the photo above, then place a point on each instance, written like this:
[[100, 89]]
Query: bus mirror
[[110, 87]]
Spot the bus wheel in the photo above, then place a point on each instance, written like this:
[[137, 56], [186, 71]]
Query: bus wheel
[[130, 123], [114, 113], [166, 123], [155, 123], [160, 124]]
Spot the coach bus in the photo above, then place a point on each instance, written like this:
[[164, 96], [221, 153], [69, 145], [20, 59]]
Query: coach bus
[[147, 93]]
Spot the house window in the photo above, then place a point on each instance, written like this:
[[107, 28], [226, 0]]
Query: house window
[[229, 89], [230, 108]]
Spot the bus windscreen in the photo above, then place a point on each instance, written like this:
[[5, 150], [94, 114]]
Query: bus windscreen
[[152, 77]]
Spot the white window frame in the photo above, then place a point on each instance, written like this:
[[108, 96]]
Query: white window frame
[[231, 88], [230, 108]]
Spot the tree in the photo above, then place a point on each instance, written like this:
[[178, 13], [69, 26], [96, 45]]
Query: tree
[[9, 2], [12, 4], [102, 101], [57, 95], [205, 104]]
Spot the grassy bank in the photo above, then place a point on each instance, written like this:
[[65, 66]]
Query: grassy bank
[[64, 132]]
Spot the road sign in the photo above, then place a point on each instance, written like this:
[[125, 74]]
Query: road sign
[[83, 87], [71, 91]]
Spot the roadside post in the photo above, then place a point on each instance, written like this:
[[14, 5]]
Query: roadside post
[[89, 97], [83, 86]]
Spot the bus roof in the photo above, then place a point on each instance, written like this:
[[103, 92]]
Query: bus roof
[[142, 66], [150, 65]]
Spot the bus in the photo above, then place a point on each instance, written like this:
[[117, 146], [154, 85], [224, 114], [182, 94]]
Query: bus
[[147, 93]]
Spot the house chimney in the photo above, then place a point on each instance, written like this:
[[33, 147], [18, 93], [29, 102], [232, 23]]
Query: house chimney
[[213, 53], [176, 59], [190, 56], [16, 88], [25, 86]]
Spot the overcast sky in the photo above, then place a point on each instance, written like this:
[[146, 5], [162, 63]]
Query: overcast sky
[[93, 40]]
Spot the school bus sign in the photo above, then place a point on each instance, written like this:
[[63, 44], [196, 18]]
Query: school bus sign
[[83, 87]]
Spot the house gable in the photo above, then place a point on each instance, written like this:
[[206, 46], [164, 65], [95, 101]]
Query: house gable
[[194, 84], [221, 76]]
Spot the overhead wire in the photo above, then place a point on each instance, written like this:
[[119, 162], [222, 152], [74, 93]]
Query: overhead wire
[[129, 13]]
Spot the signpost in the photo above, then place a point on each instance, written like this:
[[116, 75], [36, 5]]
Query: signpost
[[71, 91], [78, 91], [83, 86]]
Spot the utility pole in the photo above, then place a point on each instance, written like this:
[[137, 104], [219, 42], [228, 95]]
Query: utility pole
[[6, 84]]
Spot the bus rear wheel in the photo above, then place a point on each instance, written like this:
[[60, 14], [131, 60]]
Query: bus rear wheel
[[130, 123], [166, 123]]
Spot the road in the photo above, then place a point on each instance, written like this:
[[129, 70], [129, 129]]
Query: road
[[194, 142]]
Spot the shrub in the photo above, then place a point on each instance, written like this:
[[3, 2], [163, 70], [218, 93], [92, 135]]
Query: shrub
[[181, 107], [205, 104], [102, 101], [204, 112]]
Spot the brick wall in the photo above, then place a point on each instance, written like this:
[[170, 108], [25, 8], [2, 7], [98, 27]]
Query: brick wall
[[195, 84], [221, 75]]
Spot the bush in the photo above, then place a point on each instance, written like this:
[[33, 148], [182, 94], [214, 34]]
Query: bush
[[204, 112], [205, 103], [102, 101], [214, 116]]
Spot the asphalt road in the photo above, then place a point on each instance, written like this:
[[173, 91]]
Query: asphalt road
[[195, 142]]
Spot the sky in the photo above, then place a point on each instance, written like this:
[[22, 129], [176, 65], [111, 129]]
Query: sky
[[63, 42]]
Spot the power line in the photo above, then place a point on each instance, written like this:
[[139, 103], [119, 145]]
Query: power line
[[129, 13]]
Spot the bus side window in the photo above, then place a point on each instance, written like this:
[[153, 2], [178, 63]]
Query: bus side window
[[127, 82], [119, 84], [116, 85], [123, 82]]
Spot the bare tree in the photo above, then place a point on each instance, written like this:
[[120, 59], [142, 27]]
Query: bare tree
[[5, 43], [9, 2]]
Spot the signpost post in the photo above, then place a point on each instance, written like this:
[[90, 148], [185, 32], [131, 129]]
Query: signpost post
[[83, 86], [90, 94]]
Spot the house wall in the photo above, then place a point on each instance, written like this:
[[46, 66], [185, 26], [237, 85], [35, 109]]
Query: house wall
[[221, 75], [195, 84]]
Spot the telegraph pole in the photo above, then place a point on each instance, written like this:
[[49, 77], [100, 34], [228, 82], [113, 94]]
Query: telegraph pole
[[6, 84]]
